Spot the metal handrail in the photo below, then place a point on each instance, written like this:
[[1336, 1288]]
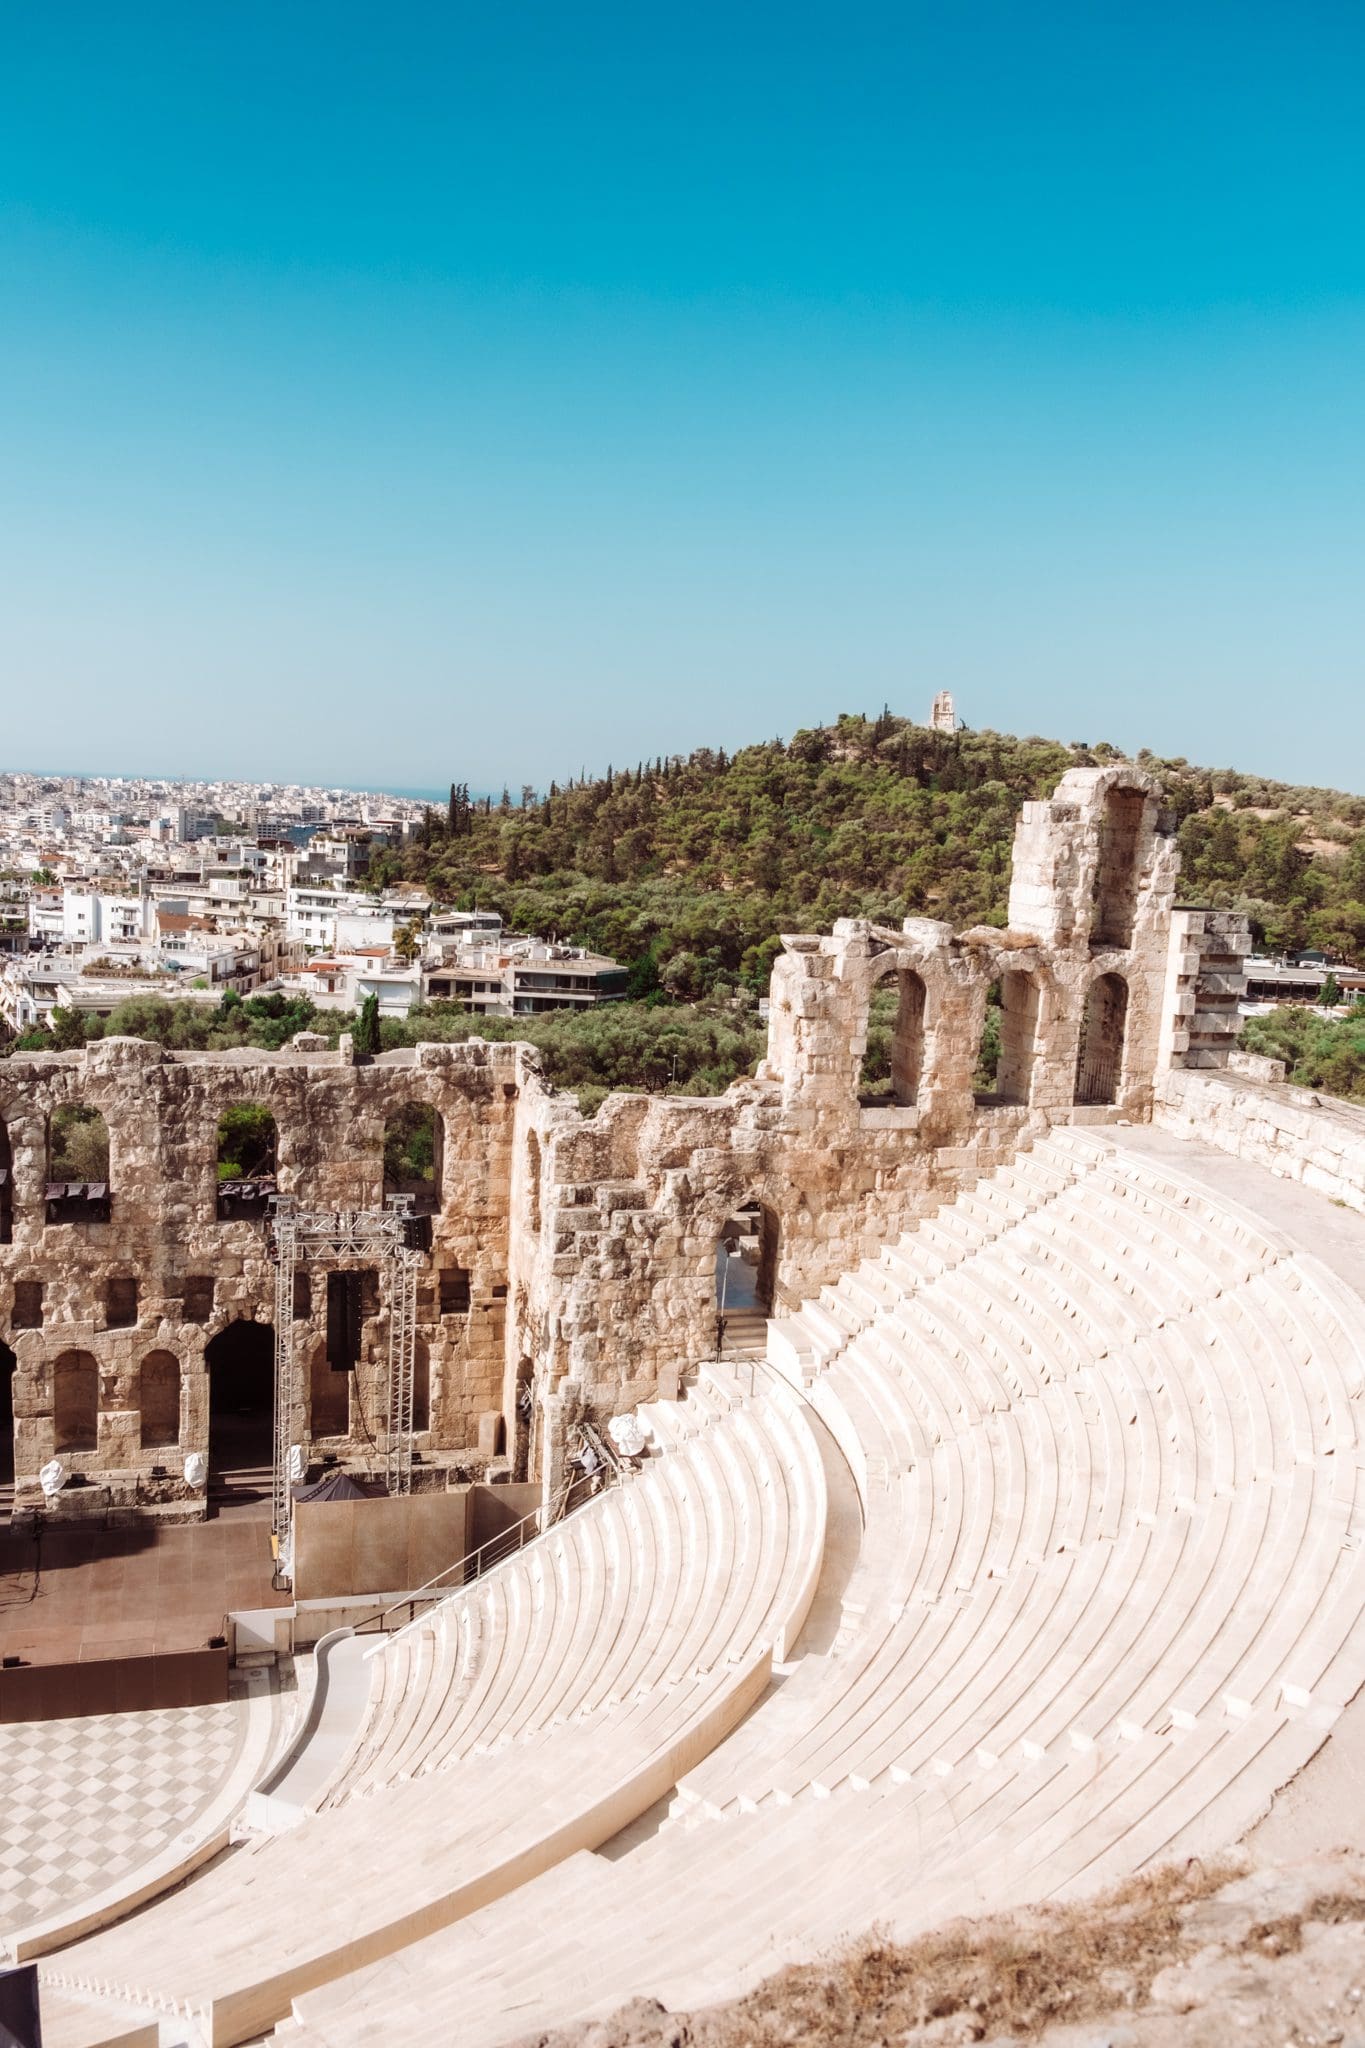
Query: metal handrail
[[429, 1590], [555, 1511]]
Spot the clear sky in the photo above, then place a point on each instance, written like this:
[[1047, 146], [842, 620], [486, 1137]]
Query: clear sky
[[397, 393]]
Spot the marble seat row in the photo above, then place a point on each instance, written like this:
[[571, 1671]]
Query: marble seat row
[[1166, 1462], [1104, 1442], [533, 1712], [705, 1554]]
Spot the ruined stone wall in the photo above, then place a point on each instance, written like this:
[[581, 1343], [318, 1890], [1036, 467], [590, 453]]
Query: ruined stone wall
[[163, 1233], [620, 1291], [1205, 977], [591, 1242]]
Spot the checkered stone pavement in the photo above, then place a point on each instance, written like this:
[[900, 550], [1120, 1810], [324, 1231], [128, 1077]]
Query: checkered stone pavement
[[83, 1803]]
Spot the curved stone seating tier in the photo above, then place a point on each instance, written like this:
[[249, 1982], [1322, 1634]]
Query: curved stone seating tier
[[526, 1716], [1106, 1436], [711, 1551], [363, 1880], [1131, 1517]]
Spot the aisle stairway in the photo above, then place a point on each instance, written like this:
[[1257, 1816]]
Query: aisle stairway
[[1106, 1430]]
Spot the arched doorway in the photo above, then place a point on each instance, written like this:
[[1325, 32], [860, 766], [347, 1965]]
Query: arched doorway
[[8, 1365], [1099, 1064], [241, 1368], [746, 1277]]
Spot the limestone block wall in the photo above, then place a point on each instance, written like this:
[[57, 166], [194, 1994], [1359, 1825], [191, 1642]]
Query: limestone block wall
[[1205, 981], [196, 1275], [1290, 1131]]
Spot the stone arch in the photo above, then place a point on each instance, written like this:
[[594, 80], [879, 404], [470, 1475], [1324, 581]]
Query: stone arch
[[1114, 896], [894, 1034], [414, 1147], [6, 1185], [246, 1151], [159, 1400], [240, 1362], [1099, 1059], [78, 1165], [75, 1402]]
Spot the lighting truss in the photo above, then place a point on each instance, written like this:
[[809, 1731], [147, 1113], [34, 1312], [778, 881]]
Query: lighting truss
[[333, 1237]]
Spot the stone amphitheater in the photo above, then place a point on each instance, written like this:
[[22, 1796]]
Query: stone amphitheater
[[1018, 1549]]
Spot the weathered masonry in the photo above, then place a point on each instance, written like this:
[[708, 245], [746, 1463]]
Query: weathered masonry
[[573, 1260]]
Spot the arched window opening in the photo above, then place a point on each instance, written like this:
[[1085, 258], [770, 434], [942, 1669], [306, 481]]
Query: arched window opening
[[893, 1060], [412, 1157], [1116, 873], [9, 1365], [1016, 1026], [1099, 1065], [77, 1165], [159, 1399], [247, 1142], [329, 1396], [76, 1402], [987, 1074], [241, 1369], [1009, 1042], [746, 1274], [6, 1188]]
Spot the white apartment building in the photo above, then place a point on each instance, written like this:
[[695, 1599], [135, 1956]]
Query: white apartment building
[[90, 917], [311, 915]]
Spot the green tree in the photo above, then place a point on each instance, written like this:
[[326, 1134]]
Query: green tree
[[78, 1144], [366, 1036], [246, 1142]]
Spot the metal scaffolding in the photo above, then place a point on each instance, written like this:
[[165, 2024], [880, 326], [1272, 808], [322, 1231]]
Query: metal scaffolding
[[334, 1237]]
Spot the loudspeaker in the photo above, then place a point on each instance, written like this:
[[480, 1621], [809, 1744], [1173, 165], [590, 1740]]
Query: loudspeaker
[[343, 1321]]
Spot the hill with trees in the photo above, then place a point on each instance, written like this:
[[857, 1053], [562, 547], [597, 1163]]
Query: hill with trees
[[688, 868]]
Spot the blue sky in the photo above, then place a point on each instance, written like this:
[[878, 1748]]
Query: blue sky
[[393, 394]]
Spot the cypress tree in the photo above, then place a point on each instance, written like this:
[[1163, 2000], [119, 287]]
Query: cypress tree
[[366, 1036]]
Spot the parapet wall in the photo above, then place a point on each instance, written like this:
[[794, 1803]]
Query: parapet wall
[[1290, 1131], [586, 1248]]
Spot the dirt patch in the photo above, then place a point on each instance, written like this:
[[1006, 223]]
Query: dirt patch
[[1181, 1955]]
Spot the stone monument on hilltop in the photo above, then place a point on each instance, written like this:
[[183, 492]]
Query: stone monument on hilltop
[[943, 717]]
